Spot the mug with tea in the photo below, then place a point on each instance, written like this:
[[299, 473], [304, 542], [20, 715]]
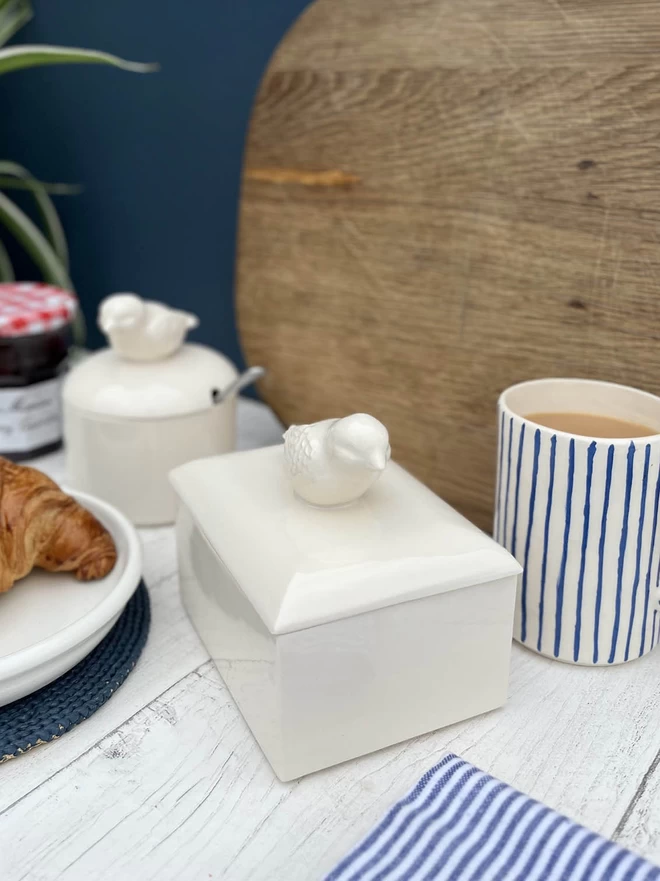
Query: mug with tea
[[578, 488]]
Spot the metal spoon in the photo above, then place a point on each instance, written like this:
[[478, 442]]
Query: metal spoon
[[247, 378]]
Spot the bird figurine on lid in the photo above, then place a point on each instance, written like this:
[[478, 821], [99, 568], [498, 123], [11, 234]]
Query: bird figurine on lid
[[335, 461], [143, 330]]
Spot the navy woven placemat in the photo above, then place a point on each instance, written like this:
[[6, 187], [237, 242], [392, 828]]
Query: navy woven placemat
[[56, 708]]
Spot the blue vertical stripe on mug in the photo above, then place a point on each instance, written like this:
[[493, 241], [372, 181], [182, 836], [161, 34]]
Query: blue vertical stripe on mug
[[581, 516]]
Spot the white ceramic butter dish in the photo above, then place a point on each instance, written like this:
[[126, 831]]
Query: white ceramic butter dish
[[341, 629], [148, 403]]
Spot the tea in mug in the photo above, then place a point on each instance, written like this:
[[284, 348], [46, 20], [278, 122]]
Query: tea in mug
[[592, 425]]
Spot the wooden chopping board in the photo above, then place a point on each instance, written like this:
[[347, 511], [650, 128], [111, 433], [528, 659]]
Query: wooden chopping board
[[444, 197]]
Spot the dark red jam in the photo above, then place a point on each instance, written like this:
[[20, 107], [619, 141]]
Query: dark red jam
[[31, 369]]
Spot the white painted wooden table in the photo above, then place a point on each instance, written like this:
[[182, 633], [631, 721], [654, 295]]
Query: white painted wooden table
[[166, 782]]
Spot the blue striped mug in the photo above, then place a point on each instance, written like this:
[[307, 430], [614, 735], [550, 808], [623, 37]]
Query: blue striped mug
[[580, 514]]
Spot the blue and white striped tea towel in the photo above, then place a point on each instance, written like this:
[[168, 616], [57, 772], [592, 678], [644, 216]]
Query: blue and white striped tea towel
[[459, 824]]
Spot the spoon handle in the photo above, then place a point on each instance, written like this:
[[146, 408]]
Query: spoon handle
[[246, 378]]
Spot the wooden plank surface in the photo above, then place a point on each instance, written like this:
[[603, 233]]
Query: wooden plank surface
[[183, 791], [639, 828], [442, 198]]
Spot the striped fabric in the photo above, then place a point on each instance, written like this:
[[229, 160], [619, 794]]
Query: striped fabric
[[581, 518], [459, 824]]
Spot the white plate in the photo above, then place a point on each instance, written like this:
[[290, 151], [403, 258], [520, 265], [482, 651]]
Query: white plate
[[50, 621]]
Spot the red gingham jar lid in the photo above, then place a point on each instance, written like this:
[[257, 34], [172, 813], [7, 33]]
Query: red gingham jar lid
[[28, 308]]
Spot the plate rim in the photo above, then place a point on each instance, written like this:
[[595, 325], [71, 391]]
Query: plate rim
[[85, 627]]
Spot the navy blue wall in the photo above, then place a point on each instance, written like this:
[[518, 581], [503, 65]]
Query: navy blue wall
[[158, 155]]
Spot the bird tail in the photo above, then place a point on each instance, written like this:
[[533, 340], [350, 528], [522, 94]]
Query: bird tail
[[192, 321]]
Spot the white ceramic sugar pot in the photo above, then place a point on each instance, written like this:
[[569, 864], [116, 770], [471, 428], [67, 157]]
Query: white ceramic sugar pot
[[145, 405]]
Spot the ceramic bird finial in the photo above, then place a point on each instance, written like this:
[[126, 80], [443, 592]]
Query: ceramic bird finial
[[335, 461], [143, 330]]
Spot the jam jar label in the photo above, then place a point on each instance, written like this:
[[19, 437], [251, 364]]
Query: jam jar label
[[30, 416]]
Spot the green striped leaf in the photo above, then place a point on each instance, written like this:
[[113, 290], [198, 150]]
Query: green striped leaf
[[18, 57], [6, 269], [34, 242], [45, 207], [53, 189], [13, 15]]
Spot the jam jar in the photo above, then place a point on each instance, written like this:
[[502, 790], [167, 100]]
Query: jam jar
[[35, 338]]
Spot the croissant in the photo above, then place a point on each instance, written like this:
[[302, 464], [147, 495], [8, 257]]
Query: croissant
[[42, 526]]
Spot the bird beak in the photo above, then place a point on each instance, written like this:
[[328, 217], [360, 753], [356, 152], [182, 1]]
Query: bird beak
[[377, 461]]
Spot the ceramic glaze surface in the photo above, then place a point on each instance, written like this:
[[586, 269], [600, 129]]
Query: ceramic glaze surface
[[148, 404], [143, 330], [340, 630], [335, 461], [50, 620], [126, 461], [107, 385], [322, 695], [581, 516], [398, 542]]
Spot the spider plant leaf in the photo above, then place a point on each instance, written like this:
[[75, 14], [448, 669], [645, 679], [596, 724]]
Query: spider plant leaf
[[53, 189], [13, 15], [34, 242], [45, 207], [18, 57], [6, 269]]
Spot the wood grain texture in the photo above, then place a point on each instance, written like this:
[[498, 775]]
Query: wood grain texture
[[639, 828], [484, 208], [170, 637], [183, 791]]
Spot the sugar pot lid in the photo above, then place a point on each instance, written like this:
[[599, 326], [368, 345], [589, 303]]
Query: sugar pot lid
[[148, 372]]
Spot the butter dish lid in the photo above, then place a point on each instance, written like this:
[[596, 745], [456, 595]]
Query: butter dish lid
[[105, 384], [301, 565]]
